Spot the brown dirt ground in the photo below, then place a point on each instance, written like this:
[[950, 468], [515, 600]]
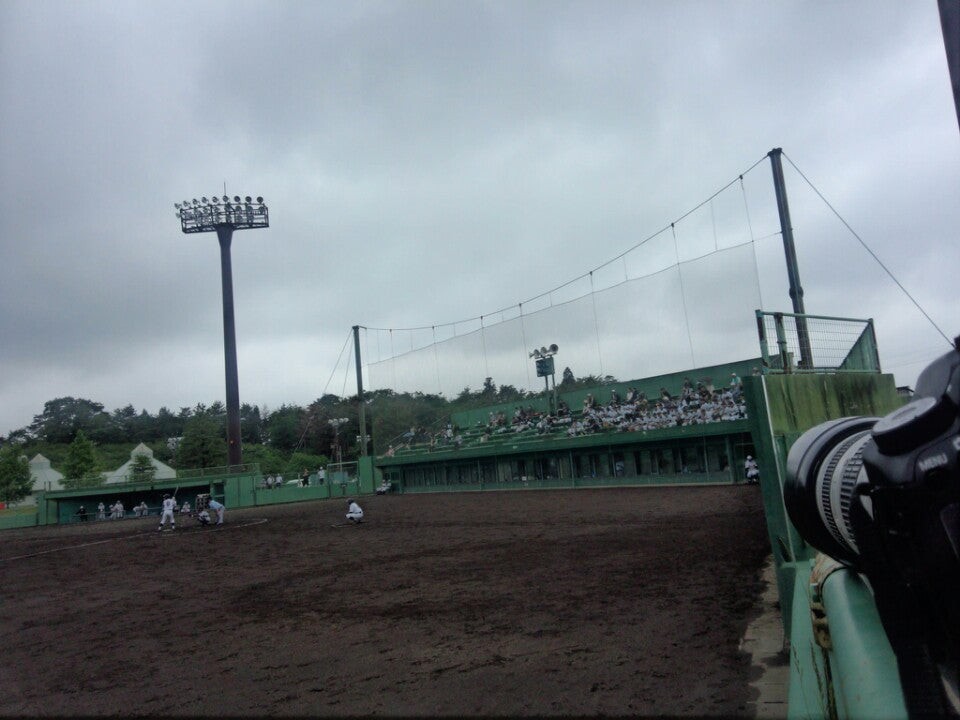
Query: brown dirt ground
[[578, 602]]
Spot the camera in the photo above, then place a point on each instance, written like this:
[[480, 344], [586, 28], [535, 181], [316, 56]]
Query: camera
[[882, 496]]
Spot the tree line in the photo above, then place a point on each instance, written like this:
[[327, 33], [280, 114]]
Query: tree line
[[82, 438]]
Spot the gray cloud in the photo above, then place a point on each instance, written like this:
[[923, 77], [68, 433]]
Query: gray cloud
[[430, 161]]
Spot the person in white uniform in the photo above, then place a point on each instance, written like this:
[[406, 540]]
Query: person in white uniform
[[354, 511], [166, 513]]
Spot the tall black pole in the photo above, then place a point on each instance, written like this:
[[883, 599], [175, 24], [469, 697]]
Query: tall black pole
[[363, 413], [950, 24], [234, 454], [790, 250]]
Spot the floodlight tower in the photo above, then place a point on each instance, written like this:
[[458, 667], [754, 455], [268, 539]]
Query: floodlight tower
[[223, 217]]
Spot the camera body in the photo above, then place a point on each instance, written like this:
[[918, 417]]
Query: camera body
[[883, 497]]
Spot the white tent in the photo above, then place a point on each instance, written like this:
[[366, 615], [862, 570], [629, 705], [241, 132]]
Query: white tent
[[124, 472], [44, 478]]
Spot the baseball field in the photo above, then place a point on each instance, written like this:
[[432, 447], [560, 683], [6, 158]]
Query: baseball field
[[627, 601]]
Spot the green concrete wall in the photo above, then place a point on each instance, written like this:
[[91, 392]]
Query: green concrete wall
[[19, 518], [824, 683]]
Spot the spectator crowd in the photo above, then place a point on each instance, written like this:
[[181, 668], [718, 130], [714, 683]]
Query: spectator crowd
[[695, 404]]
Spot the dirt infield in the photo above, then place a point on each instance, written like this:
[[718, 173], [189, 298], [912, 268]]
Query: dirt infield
[[582, 602]]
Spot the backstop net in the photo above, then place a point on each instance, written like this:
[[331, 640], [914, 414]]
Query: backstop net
[[684, 297]]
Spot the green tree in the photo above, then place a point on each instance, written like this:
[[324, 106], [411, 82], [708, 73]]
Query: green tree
[[203, 444], [271, 461], [300, 460], [250, 423], [15, 481], [80, 464], [167, 425], [63, 417], [285, 427], [509, 393], [489, 391], [142, 468]]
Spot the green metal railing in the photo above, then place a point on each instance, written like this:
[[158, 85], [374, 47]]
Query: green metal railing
[[791, 343]]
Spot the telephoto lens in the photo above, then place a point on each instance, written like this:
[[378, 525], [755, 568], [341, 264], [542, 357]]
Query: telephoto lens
[[824, 466]]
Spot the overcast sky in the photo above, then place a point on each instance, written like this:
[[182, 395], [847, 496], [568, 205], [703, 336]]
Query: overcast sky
[[430, 161]]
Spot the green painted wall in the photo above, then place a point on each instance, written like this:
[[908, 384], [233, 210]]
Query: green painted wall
[[823, 683], [18, 519]]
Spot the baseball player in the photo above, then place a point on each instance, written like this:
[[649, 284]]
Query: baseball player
[[203, 517], [218, 508], [354, 511], [166, 513]]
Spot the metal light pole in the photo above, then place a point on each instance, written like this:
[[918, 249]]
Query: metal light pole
[[223, 217], [336, 424], [545, 369]]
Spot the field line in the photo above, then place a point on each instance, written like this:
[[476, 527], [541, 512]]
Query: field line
[[121, 537]]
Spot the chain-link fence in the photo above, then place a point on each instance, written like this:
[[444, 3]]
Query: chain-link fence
[[792, 343]]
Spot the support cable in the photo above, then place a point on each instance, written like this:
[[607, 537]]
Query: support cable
[[683, 296], [605, 264], [867, 248], [329, 380], [483, 340], [596, 324], [753, 242], [393, 362], [436, 361], [523, 335]]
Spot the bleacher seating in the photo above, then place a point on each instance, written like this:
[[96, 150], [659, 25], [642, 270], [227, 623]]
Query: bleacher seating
[[691, 406]]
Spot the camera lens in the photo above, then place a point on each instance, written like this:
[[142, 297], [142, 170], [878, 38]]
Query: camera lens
[[823, 468]]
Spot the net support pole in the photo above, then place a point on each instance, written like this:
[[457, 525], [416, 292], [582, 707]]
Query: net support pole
[[950, 24], [790, 251], [360, 401]]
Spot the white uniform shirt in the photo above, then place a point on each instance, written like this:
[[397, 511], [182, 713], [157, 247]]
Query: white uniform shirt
[[168, 505]]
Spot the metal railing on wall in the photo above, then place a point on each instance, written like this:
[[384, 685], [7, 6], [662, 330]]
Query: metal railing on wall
[[791, 343]]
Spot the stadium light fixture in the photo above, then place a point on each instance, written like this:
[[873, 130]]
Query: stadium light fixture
[[212, 216], [545, 352], [543, 357]]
